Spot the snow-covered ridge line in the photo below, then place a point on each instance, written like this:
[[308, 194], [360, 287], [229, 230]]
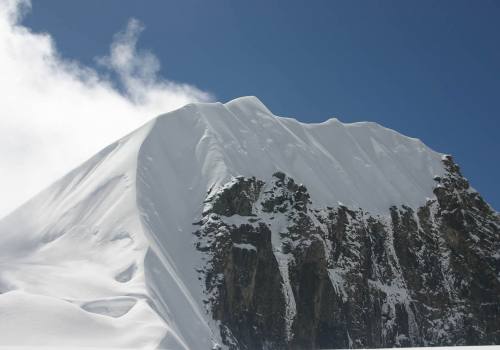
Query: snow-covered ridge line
[[360, 164]]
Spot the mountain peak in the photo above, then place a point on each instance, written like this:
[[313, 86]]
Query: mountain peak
[[128, 214], [361, 164], [246, 100]]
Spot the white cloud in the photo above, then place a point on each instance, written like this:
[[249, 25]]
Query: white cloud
[[55, 113]]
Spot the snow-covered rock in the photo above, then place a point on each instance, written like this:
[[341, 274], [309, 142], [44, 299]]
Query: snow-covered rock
[[106, 256]]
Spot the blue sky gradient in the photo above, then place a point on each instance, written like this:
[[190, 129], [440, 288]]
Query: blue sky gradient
[[428, 69]]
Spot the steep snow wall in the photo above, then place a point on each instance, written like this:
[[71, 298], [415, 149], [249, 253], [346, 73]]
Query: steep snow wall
[[200, 147]]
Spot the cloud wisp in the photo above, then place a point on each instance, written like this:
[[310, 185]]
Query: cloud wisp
[[56, 112]]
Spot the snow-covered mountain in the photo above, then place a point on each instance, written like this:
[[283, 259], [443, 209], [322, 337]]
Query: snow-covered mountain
[[222, 225]]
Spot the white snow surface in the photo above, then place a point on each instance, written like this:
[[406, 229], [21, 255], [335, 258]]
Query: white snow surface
[[105, 256]]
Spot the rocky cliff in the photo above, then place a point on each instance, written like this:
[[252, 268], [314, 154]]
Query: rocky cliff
[[281, 273]]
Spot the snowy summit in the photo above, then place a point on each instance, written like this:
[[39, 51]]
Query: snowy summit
[[121, 252]]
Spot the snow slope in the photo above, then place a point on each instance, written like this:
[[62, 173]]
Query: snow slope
[[105, 258]]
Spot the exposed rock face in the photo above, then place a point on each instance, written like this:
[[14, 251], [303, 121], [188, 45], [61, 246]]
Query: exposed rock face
[[282, 274]]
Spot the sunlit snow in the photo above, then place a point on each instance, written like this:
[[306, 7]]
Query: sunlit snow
[[105, 256]]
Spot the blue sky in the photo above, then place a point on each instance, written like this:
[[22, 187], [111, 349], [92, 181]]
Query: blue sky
[[429, 69]]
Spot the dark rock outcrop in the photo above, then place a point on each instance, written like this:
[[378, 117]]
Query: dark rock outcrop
[[281, 274]]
